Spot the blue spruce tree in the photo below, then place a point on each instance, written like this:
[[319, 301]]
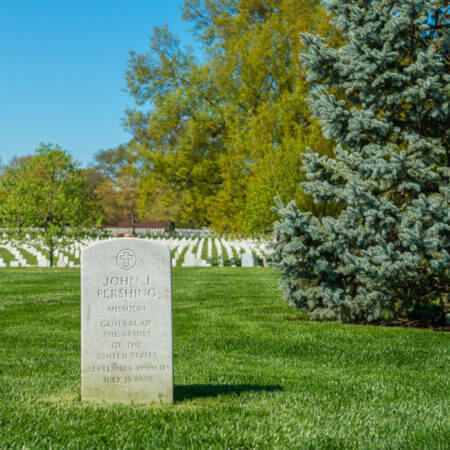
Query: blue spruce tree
[[383, 98]]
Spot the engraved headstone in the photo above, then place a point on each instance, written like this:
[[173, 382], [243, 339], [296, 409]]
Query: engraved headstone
[[126, 322]]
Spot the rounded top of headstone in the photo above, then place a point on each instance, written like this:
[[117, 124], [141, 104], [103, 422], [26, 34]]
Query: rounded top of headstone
[[126, 252]]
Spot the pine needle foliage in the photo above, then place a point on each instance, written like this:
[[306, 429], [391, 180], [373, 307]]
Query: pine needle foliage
[[383, 98]]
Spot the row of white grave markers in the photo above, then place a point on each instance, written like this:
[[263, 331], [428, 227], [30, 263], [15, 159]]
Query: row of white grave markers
[[248, 251], [126, 312]]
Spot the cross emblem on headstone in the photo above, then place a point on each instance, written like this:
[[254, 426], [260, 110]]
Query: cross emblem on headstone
[[126, 257]]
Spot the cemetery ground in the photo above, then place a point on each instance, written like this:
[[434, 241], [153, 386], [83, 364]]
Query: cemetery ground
[[248, 372]]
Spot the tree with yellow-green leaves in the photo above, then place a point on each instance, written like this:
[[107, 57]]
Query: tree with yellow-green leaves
[[114, 177], [219, 138]]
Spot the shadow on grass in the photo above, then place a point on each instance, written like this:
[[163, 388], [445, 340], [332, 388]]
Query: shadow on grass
[[191, 391]]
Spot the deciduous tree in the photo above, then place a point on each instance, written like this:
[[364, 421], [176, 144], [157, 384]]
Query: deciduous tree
[[47, 202], [222, 135], [115, 175]]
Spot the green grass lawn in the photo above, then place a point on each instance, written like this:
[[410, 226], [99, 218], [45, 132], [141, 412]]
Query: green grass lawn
[[248, 372]]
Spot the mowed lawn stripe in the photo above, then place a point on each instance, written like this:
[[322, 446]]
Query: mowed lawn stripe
[[248, 372]]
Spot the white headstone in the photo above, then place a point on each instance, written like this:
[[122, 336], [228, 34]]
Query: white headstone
[[126, 322], [202, 263], [248, 260], [189, 260]]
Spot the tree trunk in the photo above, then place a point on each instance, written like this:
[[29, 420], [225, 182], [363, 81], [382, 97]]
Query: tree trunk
[[51, 254], [133, 224]]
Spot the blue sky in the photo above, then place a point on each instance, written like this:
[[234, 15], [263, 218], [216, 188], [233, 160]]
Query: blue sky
[[62, 70]]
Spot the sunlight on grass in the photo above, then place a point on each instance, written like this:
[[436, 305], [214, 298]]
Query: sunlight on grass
[[248, 372]]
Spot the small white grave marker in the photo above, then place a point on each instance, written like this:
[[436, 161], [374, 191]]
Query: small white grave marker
[[189, 260], [248, 260]]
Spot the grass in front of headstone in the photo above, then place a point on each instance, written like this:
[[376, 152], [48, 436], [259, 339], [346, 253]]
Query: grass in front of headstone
[[248, 372], [225, 256], [29, 257], [180, 260], [258, 259], [236, 257], [6, 255], [204, 252], [195, 249], [214, 254]]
